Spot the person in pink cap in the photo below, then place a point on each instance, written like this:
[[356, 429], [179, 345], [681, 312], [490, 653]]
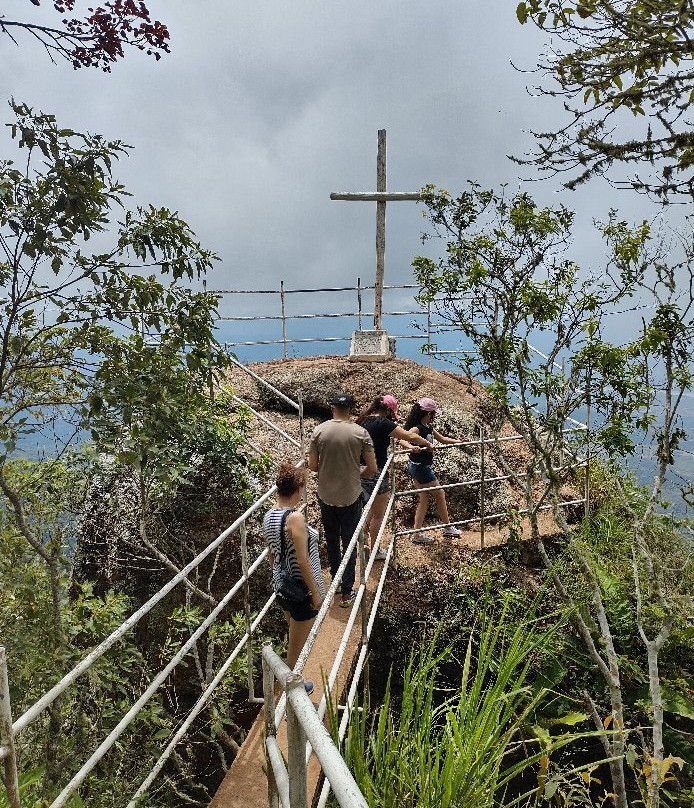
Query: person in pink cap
[[379, 419], [419, 467]]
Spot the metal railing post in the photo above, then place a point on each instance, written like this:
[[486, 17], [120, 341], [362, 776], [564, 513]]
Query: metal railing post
[[563, 423], [7, 736], [429, 331], [247, 609], [482, 489], [586, 493], [270, 731], [210, 380], [359, 301], [296, 749], [302, 436], [393, 531], [284, 321], [362, 606]]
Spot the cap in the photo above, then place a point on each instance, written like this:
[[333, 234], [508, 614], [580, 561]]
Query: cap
[[429, 405], [344, 400], [392, 403]]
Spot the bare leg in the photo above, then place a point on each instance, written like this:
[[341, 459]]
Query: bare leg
[[376, 518], [298, 632], [441, 507], [422, 506]]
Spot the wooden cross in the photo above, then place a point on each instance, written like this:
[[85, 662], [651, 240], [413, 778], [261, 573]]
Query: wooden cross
[[380, 198]]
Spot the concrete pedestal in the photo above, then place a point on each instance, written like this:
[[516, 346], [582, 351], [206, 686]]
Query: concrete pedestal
[[371, 346]]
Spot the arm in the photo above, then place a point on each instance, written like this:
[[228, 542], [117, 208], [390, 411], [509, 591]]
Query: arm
[[443, 439], [406, 436], [370, 468], [295, 528], [312, 460]]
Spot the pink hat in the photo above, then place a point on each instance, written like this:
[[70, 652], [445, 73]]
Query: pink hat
[[429, 405], [392, 403]]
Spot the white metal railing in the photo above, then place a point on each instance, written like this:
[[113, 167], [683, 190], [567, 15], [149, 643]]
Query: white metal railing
[[303, 721], [9, 731], [483, 480], [283, 318]]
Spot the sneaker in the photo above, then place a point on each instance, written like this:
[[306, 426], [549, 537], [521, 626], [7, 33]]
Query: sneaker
[[422, 538], [381, 554], [348, 599], [308, 687], [451, 530]]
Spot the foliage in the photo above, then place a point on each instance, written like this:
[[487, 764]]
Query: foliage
[[97, 39], [506, 282], [624, 72], [444, 750], [91, 342]]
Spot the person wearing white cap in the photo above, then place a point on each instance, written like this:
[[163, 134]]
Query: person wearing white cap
[[380, 421], [419, 467]]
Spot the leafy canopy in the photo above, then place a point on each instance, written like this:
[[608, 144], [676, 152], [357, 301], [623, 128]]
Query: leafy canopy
[[626, 75]]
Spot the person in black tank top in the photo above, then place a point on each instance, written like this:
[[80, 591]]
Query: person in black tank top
[[301, 548], [419, 467], [379, 419]]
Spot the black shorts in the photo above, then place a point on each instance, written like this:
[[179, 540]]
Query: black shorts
[[368, 485], [299, 610]]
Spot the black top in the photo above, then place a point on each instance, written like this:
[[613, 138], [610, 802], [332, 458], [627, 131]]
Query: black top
[[380, 428], [426, 456]]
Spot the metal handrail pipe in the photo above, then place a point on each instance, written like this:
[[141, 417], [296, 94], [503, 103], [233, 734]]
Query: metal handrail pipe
[[154, 685], [306, 291], [500, 478], [306, 650], [250, 317], [489, 516], [197, 708], [544, 356], [332, 676], [48, 698], [264, 382], [311, 339], [360, 660], [267, 421], [344, 721], [278, 769], [411, 491], [491, 441], [341, 649], [341, 780]]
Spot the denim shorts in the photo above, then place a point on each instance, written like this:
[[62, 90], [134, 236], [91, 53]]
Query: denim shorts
[[299, 610], [423, 473], [368, 485]]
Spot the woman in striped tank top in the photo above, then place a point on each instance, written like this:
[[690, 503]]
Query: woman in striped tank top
[[301, 557]]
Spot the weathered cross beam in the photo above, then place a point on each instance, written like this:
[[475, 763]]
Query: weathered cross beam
[[380, 197]]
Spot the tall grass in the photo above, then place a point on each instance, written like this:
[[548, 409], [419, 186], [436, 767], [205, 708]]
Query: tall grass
[[457, 750]]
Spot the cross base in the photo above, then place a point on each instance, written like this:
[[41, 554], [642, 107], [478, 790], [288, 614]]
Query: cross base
[[371, 346]]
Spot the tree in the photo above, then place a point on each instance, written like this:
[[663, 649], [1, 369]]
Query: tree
[[625, 73], [87, 337], [505, 281], [98, 39]]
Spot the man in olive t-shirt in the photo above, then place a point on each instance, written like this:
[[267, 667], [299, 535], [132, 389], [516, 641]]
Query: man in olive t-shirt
[[336, 451]]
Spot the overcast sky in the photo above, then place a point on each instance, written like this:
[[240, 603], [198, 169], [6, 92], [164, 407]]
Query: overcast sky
[[263, 108]]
